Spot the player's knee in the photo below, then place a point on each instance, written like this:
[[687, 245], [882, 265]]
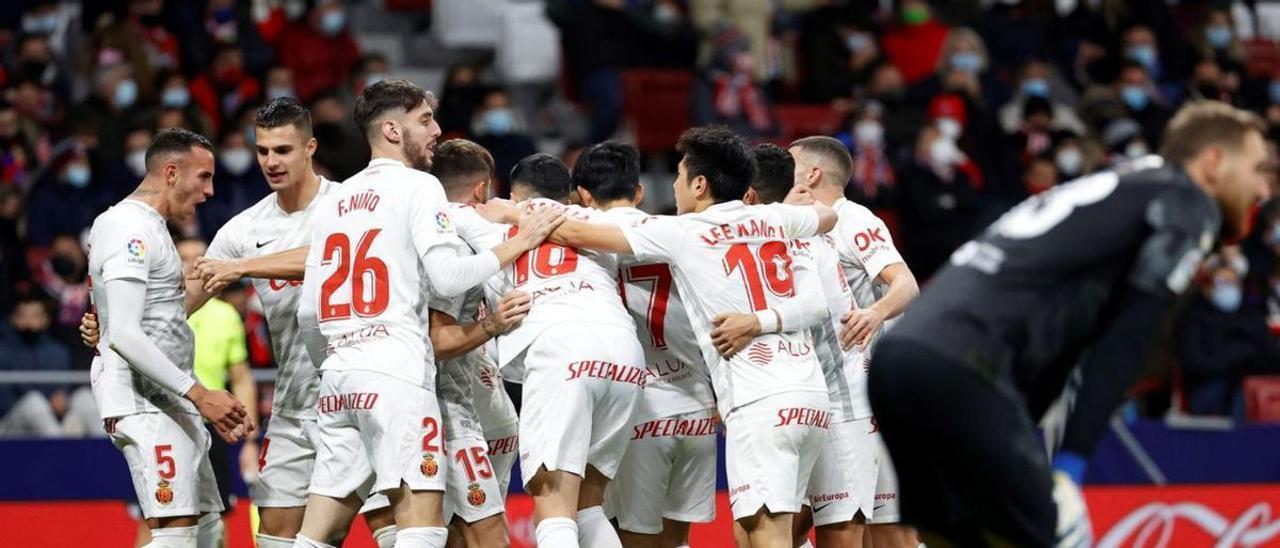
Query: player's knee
[[280, 522]]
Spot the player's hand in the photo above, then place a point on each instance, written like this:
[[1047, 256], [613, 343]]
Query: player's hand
[[215, 274], [512, 308], [799, 195], [733, 332], [859, 327], [89, 329], [538, 223], [498, 210], [223, 410]]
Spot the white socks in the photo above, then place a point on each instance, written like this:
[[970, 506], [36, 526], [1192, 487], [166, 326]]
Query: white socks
[[557, 533], [595, 531], [384, 536], [421, 537], [806, 544], [173, 537], [304, 542], [210, 532], [268, 541]]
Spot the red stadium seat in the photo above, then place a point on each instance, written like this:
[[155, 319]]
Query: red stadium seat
[[656, 105], [1262, 398], [796, 121], [1262, 58]]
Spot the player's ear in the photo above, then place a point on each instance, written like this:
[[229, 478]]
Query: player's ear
[[639, 195], [480, 192], [701, 186], [751, 198], [391, 131], [584, 196], [170, 171], [310, 147]]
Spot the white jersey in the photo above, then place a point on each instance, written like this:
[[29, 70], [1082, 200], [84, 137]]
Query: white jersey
[[474, 377], [366, 255], [844, 370], [564, 284], [735, 258], [263, 229], [131, 241], [678, 380], [865, 247]]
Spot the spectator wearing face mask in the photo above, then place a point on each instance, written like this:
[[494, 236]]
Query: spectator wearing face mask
[[279, 83], [938, 202], [372, 68], [40, 410], [1142, 102], [146, 45], [1138, 45], [63, 200], [237, 181], [497, 128], [175, 94], [319, 49], [1218, 344], [1038, 79], [1124, 141], [1209, 83], [872, 180], [901, 123], [962, 69], [343, 150], [1218, 41], [1034, 140], [728, 94], [36, 61], [62, 276], [227, 88], [114, 106], [913, 43], [462, 94], [1076, 157]]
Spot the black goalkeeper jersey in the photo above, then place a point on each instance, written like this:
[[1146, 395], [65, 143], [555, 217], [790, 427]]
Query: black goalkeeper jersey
[[1051, 276]]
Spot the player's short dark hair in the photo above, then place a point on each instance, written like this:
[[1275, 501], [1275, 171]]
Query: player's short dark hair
[[832, 152], [283, 111], [609, 171], [775, 172], [545, 174], [722, 157], [458, 162], [1205, 123], [175, 140], [385, 96]]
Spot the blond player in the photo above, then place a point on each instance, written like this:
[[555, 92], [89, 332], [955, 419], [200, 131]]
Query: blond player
[[142, 378], [726, 256], [667, 479], [882, 287], [382, 238]]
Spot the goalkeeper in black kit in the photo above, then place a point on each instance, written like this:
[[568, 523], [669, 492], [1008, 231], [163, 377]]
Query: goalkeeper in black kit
[[1085, 272]]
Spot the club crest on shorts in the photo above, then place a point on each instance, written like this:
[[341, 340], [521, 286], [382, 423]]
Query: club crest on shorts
[[429, 467], [164, 493], [475, 495]]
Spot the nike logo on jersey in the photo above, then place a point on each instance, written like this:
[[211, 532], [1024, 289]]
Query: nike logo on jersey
[[264, 244], [818, 509]]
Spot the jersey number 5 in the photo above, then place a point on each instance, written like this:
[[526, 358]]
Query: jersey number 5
[[370, 289], [773, 267]]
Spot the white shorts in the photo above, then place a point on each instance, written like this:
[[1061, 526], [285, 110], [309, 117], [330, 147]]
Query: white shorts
[[168, 457], [887, 504], [844, 478], [669, 472], [581, 389], [503, 445], [770, 449], [473, 493], [376, 431], [286, 462]]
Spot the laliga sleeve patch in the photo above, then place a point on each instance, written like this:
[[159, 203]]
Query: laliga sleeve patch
[[444, 222]]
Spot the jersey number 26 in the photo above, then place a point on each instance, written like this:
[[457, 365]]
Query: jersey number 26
[[369, 291]]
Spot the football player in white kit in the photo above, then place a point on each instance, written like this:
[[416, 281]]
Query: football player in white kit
[[726, 256], [142, 377], [579, 363], [382, 237], [882, 287], [473, 411], [667, 480]]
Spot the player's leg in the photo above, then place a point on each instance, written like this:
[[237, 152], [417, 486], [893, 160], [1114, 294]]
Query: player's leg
[[691, 489], [473, 504], [555, 505], [594, 528], [380, 520], [169, 466], [893, 536], [286, 461], [405, 437], [801, 523], [637, 495], [769, 462], [614, 402], [985, 479], [675, 534], [503, 444], [343, 470], [885, 531]]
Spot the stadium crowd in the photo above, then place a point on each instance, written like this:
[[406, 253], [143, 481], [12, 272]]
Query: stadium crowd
[[953, 112]]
